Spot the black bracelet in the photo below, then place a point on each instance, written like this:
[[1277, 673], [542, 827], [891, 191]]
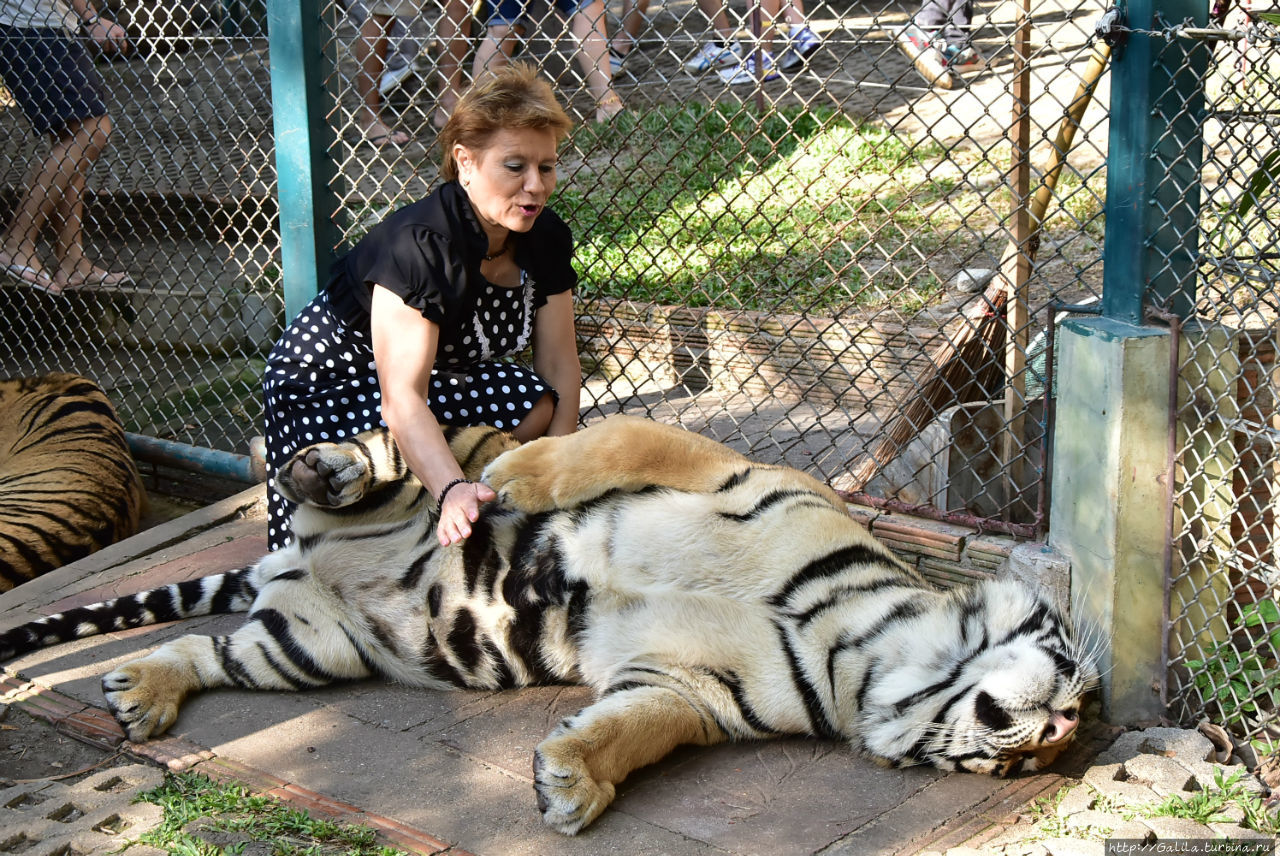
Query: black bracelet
[[90, 21], [445, 492]]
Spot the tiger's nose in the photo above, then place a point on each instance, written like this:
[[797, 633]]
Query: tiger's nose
[[1061, 725]]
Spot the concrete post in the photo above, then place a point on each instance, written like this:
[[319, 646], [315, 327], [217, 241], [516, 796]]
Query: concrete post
[[1109, 508]]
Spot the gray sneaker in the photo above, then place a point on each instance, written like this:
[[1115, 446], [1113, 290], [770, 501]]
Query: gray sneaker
[[711, 55]]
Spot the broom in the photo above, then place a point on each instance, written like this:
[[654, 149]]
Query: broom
[[968, 363]]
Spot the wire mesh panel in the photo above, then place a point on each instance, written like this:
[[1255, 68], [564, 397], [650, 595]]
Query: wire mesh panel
[[792, 240], [178, 288], [824, 240], [1223, 595]]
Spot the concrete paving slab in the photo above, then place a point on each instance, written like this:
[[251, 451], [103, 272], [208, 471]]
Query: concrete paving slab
[[456, 765]]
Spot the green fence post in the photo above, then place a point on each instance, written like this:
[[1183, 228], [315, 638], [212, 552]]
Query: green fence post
[[305, 172], [1154, 160]]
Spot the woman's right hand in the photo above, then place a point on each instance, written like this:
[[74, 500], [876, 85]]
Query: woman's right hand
[[461, 508]]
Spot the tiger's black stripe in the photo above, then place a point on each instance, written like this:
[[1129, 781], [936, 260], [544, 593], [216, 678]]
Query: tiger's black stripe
[[764, 504], [904, 610], [277, 626], [480, 559], [733, 684], [417, 567], [294, 680], [827, 566], [844, 592], [223, 651], [308, 543], [438, 666], [504, 676], [369, 664], [462, 639], [805, 688], [734, 480]]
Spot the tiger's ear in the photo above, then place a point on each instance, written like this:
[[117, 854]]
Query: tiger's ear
[[990, 713]]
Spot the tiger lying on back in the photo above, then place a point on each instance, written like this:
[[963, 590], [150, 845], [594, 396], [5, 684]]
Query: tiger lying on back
[[704, 598]]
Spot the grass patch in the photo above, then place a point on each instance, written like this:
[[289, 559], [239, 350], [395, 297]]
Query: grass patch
[[715, 205], [234, 389], [1208, 806], [231, 809]]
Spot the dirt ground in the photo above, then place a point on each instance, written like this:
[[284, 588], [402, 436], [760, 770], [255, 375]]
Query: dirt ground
[[33, 749]]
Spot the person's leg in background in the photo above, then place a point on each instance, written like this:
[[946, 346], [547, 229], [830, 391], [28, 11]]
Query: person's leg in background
[[587, 23], [453, 28], [503, 29], [74, 116], [370, 54], [938, 39], [405, 41]]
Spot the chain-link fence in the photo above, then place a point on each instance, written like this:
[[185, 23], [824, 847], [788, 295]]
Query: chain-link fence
[[178, 220], [1224, 622], [803, 266], [831, 262]]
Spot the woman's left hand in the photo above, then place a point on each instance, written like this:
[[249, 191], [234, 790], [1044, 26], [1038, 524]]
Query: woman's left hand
[[461, 508]]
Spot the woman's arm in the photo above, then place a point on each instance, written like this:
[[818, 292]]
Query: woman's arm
[[555, 358], [404, 351]]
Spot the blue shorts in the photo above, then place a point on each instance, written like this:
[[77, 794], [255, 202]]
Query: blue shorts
[[514, 13], [51, 77]]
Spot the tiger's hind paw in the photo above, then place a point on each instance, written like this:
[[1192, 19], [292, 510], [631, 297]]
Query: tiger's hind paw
[[568, 797], [330, 475], [144, 697]]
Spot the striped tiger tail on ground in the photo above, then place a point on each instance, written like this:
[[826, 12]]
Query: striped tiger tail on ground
[[232, 591]]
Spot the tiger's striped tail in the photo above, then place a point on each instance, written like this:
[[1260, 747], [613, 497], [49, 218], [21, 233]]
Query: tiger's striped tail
[[233, 591]]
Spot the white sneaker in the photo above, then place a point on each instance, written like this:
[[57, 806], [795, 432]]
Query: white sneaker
[[711, 56], [745, 72], [391, 78], [804, 42]]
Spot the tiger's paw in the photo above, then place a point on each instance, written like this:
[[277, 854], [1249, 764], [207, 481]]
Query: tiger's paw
[[144, 697], [568, 797], [331, 475], [526, 477]]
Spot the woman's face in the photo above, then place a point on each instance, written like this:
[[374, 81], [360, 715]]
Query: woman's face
[[511, 179]]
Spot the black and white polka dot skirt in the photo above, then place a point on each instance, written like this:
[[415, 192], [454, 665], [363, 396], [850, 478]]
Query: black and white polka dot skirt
[[321, 385]]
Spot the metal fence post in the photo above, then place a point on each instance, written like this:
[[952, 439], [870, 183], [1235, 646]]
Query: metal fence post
[[1153, 162], [303, 139]]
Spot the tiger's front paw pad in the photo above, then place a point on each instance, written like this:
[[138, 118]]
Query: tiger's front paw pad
[[326, 474], [142, 698], [523, 478], [568, 797]]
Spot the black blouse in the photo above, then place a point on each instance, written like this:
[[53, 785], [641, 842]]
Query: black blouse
[[429, 254]]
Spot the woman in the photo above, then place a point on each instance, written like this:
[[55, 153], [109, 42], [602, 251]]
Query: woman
[[46, 66], [411, 328]]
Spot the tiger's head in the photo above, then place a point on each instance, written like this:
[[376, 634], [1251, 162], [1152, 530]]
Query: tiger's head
[[1008, 696]]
